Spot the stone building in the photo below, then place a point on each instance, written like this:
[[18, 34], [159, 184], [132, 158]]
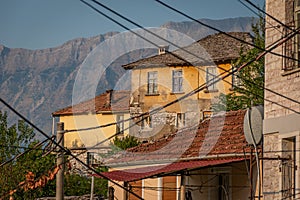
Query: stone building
[[281, 179], [172, 75]]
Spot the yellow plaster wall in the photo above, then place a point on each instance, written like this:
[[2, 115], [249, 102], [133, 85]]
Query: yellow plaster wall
[[90, 137], [193, 77]]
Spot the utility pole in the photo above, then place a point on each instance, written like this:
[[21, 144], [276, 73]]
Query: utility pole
[[92, 188], [60, 162]]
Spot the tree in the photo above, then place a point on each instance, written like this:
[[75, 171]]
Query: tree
[[14, 140], [249, 91], [35, 162], [125, 142]]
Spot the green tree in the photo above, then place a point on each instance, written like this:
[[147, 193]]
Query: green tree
[[125, 142], [78, 185], [15, 139], [251, 78]]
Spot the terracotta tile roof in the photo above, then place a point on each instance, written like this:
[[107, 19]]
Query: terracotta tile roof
[[146, 172], [108, 101], [221, 135], [219, 47]]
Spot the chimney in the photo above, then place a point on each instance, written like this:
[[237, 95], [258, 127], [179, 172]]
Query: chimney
[[109, 97], [162, 49]]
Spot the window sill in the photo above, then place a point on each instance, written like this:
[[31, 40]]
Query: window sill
[[177, 93], [154, 94], [285, 73], [211, 91]]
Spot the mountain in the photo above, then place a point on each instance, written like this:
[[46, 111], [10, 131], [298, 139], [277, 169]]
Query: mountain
[[39, 82]]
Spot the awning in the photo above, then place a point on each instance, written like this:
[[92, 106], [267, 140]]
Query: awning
[[128, 175]]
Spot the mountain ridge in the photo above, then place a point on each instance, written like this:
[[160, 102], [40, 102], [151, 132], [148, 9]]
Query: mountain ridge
[[39, 82]]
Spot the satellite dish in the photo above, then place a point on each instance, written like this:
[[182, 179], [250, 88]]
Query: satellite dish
[[253, 124]]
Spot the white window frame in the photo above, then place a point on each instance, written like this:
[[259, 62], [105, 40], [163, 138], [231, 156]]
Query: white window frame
[[211, 75], [152, 86], [177, 81], [295, 176]]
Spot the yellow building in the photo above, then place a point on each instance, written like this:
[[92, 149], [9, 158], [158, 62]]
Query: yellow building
[[109, 107], [170, 76]]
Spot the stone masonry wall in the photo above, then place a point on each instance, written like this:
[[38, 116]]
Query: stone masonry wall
[[281, 82], [288, 85]]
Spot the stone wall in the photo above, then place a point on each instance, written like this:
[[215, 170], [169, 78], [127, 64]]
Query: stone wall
[[286, 83], [283, 82]]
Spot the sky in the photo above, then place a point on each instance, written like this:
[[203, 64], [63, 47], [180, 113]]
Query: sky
[[39, 24]]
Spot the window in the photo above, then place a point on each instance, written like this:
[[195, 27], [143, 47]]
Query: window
[[90, 159], [120, 124], [147, 122], [180, 122], [177, 81], [223, 189], [288, 169], [291, 48], [211, 74], [297, 26], [221, 180], [152, 82]]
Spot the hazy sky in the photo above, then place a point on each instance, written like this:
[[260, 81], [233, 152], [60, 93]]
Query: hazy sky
[[37, 24]]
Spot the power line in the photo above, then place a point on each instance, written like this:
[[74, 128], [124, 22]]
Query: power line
[[58, 144], [272, 17], [68, 152], [242, 41], [25, 152], [257, 14], [203, 86], [216, 29], [147, 113]]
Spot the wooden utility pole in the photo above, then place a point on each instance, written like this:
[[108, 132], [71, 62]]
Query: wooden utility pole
[[60, 162]]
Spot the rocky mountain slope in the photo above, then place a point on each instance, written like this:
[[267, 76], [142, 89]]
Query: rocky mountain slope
[[38, 82]]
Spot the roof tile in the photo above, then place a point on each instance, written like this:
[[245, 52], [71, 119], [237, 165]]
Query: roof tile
[[109, 101], [188, 144]]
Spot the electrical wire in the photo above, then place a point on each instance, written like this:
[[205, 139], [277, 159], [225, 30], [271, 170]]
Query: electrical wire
[[257, 14], [68, 152], [49, 138], [154, 111], [216, 29], [136, 24], [211, 82], [97, 10], [25, 152], [148, 113], [123, 17], [272, 17]]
